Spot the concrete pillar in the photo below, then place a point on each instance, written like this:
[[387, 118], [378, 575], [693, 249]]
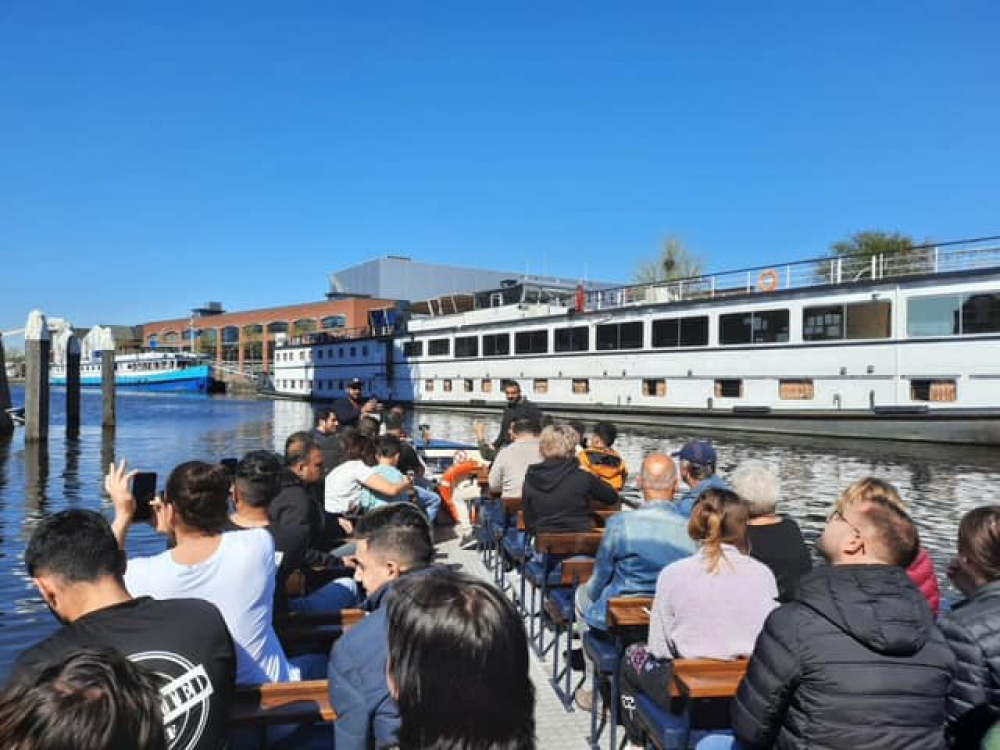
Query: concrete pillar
[[37, 350], [6, 424], [106, 346], [72, 385]]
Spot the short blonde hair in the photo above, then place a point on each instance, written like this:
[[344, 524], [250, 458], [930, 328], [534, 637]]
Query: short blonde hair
[[558, 441], [758, 485], [866, 490]]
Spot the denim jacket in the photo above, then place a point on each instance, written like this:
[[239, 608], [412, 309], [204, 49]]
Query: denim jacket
[[687, 501], [636, 546]]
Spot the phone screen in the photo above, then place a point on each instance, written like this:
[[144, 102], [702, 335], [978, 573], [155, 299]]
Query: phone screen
[[143, 490]]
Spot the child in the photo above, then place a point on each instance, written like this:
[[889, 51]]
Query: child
[[600, 459], [387, 450]]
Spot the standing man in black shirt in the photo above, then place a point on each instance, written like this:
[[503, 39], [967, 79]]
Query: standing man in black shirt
[[518, 407], [75, 562], [327, 437], [350, 409]]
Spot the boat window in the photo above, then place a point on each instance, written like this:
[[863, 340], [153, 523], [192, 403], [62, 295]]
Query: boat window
[[859, 320], [758, 327], [354, 351], [729, 388], [319, 354], [467, 385], [933, 390], [496, 345], [575, 339], [486, 385], [467, 346], [981, 313], [581, 385], [934, 316], [821, 323], [340, 385], [671, 332], [619, 336], [446, 385], [532, 342], [413, 348], [428, 385], [340, 352], [439, 347], [796, 390], [541, 385], [364, 351], [654, 387]]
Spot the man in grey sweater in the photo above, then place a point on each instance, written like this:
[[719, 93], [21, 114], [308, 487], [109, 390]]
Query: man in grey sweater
[[512, 462]]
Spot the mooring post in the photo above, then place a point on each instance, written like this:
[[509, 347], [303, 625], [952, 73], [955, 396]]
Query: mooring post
[[37, 348], [72, 385], [6, 423], [106, 346]]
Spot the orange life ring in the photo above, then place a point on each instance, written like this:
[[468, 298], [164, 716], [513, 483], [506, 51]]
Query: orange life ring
[[768, 281], [453, 476]]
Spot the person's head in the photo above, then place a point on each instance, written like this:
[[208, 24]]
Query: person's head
[[354, 389], [978, 559], [873, 531], [258, 479], [95, 698], [359, 447], [196, 500], [581, 430], [387, 450], [68, 553], [393, 422], [698, 460], [521, 429], [368, 426], [512, 392], [304, 458], [391, 540], [558, 441], [870, 488], [720, 517], [758, 485], [326, 420], [458, 665], [604, 435], [658, 478]]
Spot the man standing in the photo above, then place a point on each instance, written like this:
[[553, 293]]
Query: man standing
[[350, 409], [392, 541], [325, 435], [855, 659], [74, 561], [517, 408], [697, 461]]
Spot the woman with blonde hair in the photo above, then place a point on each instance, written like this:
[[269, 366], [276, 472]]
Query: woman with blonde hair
[[921, 570], [711, 605]]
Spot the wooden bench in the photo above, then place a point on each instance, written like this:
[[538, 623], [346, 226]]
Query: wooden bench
[[282, 703], [316, 632], [706, 679]]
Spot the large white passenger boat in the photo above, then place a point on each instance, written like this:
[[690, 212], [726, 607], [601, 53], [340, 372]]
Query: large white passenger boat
[[901, 347]]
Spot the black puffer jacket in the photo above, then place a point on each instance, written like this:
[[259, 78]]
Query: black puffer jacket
[[853, 661], [972, 629], [557, 496]]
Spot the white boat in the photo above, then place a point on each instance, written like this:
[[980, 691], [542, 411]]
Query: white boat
[[901, 347]]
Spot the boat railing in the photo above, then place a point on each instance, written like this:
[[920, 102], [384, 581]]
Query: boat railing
[[963, 255], [333, 335]]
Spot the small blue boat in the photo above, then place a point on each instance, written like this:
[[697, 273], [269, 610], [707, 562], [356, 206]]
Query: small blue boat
[[151, 371]]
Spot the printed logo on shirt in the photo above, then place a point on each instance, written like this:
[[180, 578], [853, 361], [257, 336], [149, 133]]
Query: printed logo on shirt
[[185, 693]]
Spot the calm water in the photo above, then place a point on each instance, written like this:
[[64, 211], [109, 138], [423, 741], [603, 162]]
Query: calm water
[[158, 431]]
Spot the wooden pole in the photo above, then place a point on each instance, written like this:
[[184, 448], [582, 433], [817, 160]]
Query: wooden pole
[[72, 385], [6, 423], [106, 346], [37, 349]]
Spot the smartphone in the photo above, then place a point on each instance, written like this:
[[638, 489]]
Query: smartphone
[[143, 490], [230, 464]]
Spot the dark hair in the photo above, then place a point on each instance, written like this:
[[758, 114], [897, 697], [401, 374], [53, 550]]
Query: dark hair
[[719, 517], [581, 430], [323, 413], [76, 545], [258, 476], [701, 472], [978, 540], [298, 447], [94, 698], [393, 421], [368, 425], [199, 493], [504, 385], [458, 657], [889, 529], [400, 531], [388, 446], [359, 447], [606, 432], [525, 426]]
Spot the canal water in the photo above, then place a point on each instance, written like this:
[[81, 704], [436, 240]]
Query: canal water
[[158, 431]]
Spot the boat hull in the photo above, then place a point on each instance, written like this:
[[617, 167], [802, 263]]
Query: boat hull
[[196, 379]]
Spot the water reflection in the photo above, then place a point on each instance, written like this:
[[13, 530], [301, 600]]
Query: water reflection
[[36, 479]]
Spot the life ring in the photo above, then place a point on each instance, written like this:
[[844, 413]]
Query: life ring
[[768, 281], [453, 476]]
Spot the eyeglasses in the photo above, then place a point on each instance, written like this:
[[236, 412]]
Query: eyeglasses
[[838, 516]]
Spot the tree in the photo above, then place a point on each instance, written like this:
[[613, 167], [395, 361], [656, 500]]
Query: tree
[[675, 262], [899, 254]]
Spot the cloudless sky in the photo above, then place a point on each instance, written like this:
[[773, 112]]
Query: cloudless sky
[[156, 155]]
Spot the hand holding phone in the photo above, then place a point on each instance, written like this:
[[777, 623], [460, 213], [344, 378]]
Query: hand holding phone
[[143, 488]]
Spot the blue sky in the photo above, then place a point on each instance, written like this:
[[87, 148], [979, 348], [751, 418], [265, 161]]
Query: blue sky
[[156, 155]]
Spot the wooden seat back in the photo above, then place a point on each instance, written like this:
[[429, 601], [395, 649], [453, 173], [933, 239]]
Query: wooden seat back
[[576, 572], [629, 612], [305, 702], [585, 543], [708, 678]]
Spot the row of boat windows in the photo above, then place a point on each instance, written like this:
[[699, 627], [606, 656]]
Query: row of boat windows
[[319, 385], [940, 315], [143, 367], [340, 351]]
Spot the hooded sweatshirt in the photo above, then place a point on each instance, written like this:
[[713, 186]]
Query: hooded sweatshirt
[[853, 661], [557, 497]]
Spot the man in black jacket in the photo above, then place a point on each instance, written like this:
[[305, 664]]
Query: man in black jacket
[[855, 659], [518, 407]]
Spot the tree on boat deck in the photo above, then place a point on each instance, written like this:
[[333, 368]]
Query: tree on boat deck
[[899, 255], [675, 262]]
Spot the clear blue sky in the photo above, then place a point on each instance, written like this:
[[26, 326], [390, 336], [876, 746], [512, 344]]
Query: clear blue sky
[[155, 155]]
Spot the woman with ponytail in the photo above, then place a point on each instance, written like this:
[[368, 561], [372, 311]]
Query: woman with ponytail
[[711, 605]]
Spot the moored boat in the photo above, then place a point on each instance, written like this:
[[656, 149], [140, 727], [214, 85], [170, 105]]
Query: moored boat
[[148, 371]]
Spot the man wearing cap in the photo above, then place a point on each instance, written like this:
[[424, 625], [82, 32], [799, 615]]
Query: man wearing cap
[[697, 461], [350, 409]]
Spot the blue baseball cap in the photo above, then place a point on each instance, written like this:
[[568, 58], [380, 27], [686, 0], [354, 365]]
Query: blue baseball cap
[[697, 452]]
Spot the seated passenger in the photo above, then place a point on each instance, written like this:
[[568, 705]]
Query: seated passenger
[[387, 453], [603, 460], [512, 461], [557, 492], [411, 465], [235, 571], [298, 508], [480, 695], [74, 561], [697, 460], [972, 628], [91, 698], [346, 484], [775, 541]]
